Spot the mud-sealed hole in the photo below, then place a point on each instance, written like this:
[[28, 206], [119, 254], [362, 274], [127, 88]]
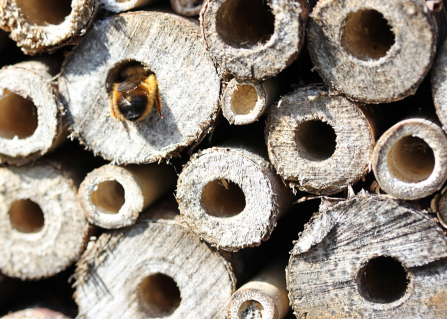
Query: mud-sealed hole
[[244, 99], [382, 280], [245, 23], [367, 35], [222, 198], [411, 160], [159, 296], [315, 140], [108, 198], [26, 216], [250, 309], [18, 116], [45, 12]]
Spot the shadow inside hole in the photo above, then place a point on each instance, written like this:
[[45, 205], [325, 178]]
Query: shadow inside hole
[[109, 197], [26, 216], [222, 198], [45, 12], [316, 140], [250, 309]]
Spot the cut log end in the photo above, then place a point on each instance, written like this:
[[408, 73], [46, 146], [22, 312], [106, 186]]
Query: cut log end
[[36, 313], [439, 85]]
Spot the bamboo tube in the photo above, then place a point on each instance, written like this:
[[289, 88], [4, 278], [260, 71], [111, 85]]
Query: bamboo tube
[[320, 143], [152, 269], [164, 45], [409, 160], [231, 197], [36, 313], [113, 196], [439, 206], [369, 258], [254, 40], [189, 8], [244, 102], [31, 122], [124, 5], [264, 297], [42, 224], [361, 48], [40, 26]]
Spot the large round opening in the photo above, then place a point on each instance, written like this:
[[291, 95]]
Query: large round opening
[[316, 140], [411, 160], [244, 99], [367, 35], [26, 216], [123, 71], [45, 12], [18, 116], [382, 280], [245, 23], [222, 198], [108, 198], [158, 295], [251, 309]]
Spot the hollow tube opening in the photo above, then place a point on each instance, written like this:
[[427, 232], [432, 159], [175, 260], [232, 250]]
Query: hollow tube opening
[[222, 198], [123, 71], [45, 12], [244, 99], [316, 140], [108, 198], [250, 309], [26, 216]]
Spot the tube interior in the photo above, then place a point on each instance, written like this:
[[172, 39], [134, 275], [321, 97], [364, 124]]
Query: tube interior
[[251, 309], [244, 99], [245, 23], [222, 198], [45, 12], [18, 116], [159, 296], [367, 35], [411, 160], [382, 280], [316, 140], [108, 198], [26, 216]]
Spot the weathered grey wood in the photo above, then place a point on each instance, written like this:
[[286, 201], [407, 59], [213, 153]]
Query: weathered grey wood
[[360, 48], [231, 197], [39, 26], [324, 271], [35, 313], [42, 225], [113, 196], [189, 8], [124, 5], [319, 142], [410, 159], [439, 206], [188, 82], [246, 42], [31, 121], [439, 85]]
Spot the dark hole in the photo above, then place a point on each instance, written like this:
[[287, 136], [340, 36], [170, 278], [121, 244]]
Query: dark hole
[[26, 216], [222, 198], [316, 140], [44, 12], [122, 71], [109, 197]]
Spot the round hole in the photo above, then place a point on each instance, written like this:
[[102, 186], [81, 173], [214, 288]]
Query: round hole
[[109, 197], [382, 280], [45, 12], [124, 70], [245, 23], [411, 160], [244, 99], [159, 296], [26, 216], [251, 309], [18, 116], [367, 35], [222, 198], [316, 140]]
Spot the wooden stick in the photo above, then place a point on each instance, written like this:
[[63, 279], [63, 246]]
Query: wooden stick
[[124, 5], [40, 26], [264, 297], [36, 313], [254, 40], [409, 160], [189, 8], [113, 196], [31, 122], [369, 258], [244, 102], [189, 94], [361, 49], [318, 142], [231, 197]]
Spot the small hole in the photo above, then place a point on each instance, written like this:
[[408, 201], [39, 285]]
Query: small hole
[[45, 12], [382, 280], [159, 296], [109, 197], [26, 216], [316, 140], [222, 198], [367, 35], [18, 116], [245, 23], [244, 99], [411, 160], [251, 309]]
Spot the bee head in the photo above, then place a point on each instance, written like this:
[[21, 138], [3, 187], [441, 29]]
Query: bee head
[[132, 107]]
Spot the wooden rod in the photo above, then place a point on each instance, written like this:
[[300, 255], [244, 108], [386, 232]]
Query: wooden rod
[[36, 313], [124, 5], [189, 8]]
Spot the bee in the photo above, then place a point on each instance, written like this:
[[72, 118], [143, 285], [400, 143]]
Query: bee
[[134, 98]]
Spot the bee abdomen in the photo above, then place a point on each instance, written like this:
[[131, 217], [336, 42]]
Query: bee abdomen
[[134, 108]]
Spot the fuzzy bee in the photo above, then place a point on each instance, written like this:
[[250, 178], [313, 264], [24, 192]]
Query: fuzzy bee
[[133, 99]]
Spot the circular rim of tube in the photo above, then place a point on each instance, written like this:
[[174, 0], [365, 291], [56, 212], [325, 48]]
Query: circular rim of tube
[[242, 295]]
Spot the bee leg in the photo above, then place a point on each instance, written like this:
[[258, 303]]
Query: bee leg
[[158, 103]]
